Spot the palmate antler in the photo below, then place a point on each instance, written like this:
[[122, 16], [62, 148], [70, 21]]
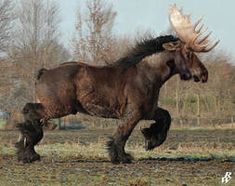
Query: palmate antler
[[191, 34]]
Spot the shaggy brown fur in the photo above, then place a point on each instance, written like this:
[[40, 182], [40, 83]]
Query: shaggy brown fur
[[127, 90]]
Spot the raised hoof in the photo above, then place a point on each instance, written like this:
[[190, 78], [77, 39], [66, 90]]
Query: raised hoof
[[154, 136]]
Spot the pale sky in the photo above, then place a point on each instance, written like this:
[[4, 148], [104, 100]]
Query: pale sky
[[142, 15]]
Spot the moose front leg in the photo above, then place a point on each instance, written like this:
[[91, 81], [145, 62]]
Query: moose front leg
[[116, 144], [156, 134]]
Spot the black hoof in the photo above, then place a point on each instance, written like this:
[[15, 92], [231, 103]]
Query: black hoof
[[28, 157], [31, 134], [126, 158], [121, 159], [34, 157], [26, 154], [117, 155]]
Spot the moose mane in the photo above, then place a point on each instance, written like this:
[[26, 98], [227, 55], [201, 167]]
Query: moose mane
[[144, 48]]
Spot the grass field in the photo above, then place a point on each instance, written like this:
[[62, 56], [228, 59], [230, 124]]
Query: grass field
[[188, 157], [2, 124]]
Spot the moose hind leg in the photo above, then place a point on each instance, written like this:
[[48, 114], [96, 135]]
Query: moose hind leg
[[31, 133]]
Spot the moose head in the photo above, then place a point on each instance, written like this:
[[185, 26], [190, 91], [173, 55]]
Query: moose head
[[193, 38]]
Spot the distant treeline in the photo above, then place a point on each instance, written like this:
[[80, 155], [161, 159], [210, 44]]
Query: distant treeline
[[30, 40]]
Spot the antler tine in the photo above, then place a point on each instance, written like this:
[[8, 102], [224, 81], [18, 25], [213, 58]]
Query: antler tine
[[195, 38], [200, 29], [213, 46], [205, 30], [197, 23], [204, 38], [194, 46]]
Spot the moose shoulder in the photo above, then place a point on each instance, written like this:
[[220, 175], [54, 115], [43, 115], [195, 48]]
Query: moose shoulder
[[128, 90]]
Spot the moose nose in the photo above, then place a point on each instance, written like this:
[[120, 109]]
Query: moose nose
[[204, 80], [196, 79], [204, 76], [186, 76]]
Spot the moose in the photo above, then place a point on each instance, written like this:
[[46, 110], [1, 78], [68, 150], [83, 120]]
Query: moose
[[127, 89]]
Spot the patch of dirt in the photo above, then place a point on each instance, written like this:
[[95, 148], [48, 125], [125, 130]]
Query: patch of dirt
[[145, 172]]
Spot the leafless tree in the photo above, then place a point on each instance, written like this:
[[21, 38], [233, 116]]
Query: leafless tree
[[94, 40], [36, 45], [36, 30], [6, 18]]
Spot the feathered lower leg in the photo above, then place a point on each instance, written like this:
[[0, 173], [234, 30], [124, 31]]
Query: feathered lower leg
[[31, 133]]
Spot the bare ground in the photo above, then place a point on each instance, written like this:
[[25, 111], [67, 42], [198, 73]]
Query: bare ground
[[84, 168]]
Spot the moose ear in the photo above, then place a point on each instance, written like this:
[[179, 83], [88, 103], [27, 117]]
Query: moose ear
[[172, 46]]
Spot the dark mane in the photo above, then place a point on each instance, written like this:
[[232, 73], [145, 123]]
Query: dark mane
[[144, 48], [40, 72]]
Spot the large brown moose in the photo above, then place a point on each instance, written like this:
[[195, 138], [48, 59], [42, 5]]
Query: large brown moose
[[128, 89]]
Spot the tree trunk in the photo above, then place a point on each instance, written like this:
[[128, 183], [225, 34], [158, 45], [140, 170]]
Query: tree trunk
[[198, 110], [177, 97]]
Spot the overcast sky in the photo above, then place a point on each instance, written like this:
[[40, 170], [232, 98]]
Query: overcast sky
[[143, 15]]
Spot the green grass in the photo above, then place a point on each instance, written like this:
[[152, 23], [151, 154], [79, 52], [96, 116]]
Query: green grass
[[2, 124], [97, 151], [68, 164], [65, 161]]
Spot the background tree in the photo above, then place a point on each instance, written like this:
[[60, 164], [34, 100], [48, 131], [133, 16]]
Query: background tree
[[93, 40], [33, 43], [6, 19], [6, 22], [36, 43]]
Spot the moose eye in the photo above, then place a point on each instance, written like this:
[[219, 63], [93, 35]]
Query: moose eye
[[189, 55]]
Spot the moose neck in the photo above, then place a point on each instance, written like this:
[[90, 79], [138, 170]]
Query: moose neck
[[162, 67]]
